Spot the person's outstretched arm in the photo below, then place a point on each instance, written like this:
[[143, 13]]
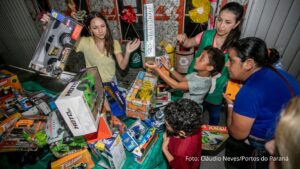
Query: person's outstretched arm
[[170, 81], [186, 42], [130, 47]]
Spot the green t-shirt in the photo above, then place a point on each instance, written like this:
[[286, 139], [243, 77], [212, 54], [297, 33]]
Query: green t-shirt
[[216, 96]]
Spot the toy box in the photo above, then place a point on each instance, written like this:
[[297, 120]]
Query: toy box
[[55, 128], [26, 135], [232, 89], [115, 99], [213, 137], [104, 128], [141, 96], [81, 102], [8, 123], [9, 79], [81, 159], [67, 145], [149, 32], [110, 151], [55, 44], [146, 148]]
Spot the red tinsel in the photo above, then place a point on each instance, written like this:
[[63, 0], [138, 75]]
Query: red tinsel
[[128, 14]]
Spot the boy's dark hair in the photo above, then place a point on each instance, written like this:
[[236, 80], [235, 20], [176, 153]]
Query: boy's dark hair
[[216, 59], [184, 115]]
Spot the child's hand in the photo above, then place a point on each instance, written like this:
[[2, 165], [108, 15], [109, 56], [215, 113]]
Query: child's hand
[[165, 143], [181, 38], [165, 62], [132, 45], [152, 65]]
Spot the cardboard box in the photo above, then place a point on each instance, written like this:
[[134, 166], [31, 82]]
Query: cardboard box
[[55, 45], [81, 103], [110, 151], [232, 89], [149, 31], [9, 79], [213, 137], [141, 96], [81, 159]]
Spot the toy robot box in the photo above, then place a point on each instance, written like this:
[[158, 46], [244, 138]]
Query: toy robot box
[[81, 102], [55, 45]]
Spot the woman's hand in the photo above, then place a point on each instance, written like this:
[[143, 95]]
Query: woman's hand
[[45, 18], [181, 38], [132, 45]]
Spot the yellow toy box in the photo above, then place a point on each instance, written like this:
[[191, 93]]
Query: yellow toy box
[[9, 79], [141, 96], [81, 159]]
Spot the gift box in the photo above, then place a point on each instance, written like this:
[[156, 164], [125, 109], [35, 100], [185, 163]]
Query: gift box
[[55, 45], [81, 159], [141, 96], [81, 102]]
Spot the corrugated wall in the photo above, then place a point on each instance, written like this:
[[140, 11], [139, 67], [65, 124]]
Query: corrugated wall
[[17, 32], [278, 23]]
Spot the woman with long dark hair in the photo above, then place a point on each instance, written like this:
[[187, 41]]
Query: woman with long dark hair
[[227, 31]]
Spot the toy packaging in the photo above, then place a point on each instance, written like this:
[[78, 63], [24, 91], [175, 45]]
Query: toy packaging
[[115, 99], [6, 124], [110, 151], [67, 145], [149, 32], [232, 89], [141, 96], [104, 128], [55, 44], [55, 128], [81, 103], [9, 79], [27, 135], [213, 137], [78, 160], [43, 102], [146, 148]]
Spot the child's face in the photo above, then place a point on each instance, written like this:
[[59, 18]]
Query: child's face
[[202, 62]]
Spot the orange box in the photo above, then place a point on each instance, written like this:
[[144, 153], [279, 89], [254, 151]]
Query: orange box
[[232, 89], [80, 159], [10, 80]]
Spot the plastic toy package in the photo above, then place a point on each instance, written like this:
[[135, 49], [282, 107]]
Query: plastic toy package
[[110, 152], [81, 102], [141, 96], [55, 45], [27, 135]]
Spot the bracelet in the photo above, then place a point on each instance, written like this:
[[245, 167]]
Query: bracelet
[[230, 105], [171, 69]]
